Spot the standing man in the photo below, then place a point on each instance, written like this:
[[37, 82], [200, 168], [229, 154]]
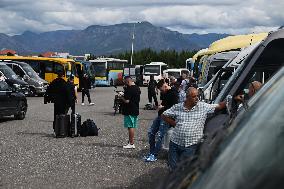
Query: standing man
[[152, 90], [170, 97], [188, 119], [73, 92], [86, 86], [130, 109], [59, 94]]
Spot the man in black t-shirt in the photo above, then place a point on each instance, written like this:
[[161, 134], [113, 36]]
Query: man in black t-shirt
[[170, 98], [152, 90], [130, 109]]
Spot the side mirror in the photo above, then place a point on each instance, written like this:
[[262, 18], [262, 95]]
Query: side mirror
[[229, 104]]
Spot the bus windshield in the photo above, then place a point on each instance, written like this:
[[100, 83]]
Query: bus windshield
[[8, 72], [100, 69], [152, 69]]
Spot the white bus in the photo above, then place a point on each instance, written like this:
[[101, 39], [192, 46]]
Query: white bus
[[154, 68]]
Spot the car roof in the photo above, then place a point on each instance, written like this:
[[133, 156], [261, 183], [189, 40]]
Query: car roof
[[17, 62]]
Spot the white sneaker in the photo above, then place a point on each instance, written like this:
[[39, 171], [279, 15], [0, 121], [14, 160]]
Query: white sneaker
[[129, 146], [91, 103], [83, 104]]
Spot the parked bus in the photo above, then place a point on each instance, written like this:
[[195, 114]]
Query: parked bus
[[47, 68], [109, 71], [135, 72], [229, 43], [154, 68]]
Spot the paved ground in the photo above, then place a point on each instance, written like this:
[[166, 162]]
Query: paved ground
[[32, 158]]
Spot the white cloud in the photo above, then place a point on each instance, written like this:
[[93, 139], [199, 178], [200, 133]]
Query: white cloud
[[188, 16]]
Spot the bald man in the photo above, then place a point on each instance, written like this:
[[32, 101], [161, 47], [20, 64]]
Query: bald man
[[253, 88], [188, 119]]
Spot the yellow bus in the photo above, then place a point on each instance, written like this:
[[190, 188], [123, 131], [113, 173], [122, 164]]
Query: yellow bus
[[229, 43], [48, 67]]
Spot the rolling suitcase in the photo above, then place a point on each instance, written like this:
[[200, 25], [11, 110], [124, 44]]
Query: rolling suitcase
[[61, 125], [75, 125]]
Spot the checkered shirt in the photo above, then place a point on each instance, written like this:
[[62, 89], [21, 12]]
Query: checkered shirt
[[189, 123]]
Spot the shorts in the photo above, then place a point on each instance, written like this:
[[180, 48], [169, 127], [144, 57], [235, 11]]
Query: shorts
[[130, 121]]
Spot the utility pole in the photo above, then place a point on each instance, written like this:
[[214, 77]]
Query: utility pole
[[132, 46]]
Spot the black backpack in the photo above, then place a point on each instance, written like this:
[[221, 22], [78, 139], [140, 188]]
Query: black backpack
[[89, 128]]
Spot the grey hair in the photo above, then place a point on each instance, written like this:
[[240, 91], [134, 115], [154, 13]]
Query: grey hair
[[188, 91]]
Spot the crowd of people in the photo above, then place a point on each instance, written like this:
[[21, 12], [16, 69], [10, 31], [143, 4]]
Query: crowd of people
[[180, 110]]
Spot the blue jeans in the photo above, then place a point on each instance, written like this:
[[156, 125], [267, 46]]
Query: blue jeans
[[158, 126], [178, 153]]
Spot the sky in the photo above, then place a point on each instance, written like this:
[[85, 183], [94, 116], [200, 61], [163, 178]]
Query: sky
[[185, 16]]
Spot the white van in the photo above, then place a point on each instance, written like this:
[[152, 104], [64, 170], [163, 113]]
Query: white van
[[154, 68], [176, 72]]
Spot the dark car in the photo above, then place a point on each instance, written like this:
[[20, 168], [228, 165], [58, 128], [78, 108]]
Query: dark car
[[13, 80], [12, 102], [36, 84]]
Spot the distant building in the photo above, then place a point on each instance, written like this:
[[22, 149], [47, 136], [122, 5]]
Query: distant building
[[48, 54], [8, 52], [55, 54]]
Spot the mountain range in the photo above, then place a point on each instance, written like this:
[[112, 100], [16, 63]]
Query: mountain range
[[105, 40]]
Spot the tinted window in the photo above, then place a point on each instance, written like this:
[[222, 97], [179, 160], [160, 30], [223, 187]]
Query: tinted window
[[100, 69], [4, 86], [58, 68], [152, 69], [18, 70], [48, 67]]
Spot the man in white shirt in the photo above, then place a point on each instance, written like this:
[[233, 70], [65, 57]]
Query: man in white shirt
[[188, 119]]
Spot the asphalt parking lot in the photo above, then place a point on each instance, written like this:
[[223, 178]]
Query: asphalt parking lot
[[32, 158]]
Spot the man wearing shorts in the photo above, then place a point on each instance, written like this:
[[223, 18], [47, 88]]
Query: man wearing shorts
[[130, 109]]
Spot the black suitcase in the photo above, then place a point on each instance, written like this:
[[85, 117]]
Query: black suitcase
[[61, 125], [75, 125]]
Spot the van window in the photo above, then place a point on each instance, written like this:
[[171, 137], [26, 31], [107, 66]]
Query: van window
[[18, 70], [58, 68]]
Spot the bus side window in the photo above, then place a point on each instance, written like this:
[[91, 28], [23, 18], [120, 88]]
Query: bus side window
[[58, 68], [74, 70], [163, 68], [48, 67]]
